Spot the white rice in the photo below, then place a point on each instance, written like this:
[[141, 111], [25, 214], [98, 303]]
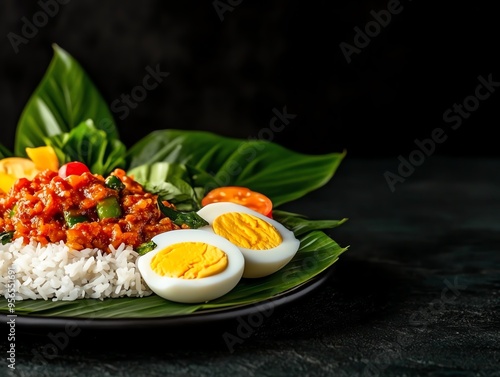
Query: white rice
[[55, 272]]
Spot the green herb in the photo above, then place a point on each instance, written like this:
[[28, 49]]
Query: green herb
[[191, 219], [145, 247], [6, 237]]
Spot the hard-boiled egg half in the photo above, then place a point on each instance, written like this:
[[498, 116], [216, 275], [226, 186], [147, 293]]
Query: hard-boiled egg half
[[265, 243], [191, 266]]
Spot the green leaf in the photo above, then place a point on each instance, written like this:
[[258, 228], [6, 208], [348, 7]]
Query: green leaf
[[87, 144], [317, 253], [300, 224], [64, 98], [281, 174]]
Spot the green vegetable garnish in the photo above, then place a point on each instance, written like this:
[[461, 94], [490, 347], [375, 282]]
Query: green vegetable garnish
[[6, 237], [191, 219], [145, 247]]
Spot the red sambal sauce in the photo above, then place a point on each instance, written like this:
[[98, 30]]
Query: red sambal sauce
[[50, 209]]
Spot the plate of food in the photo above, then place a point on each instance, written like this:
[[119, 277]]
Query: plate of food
[[181, 227]]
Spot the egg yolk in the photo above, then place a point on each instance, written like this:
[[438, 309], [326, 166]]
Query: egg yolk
[[189, 260], [247, 231]]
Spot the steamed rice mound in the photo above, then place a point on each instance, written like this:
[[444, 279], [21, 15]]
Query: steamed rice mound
[[56, 272]]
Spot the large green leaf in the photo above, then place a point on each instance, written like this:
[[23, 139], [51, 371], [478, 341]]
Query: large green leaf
[[317, 253], [64, 98], [269, 168]]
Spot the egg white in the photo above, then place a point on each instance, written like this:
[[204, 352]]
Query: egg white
[[192, 290], [258, 263]]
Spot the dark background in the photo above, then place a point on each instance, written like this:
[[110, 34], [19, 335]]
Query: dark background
[[228, 75]]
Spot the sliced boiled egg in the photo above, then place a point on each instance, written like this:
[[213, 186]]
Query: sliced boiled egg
[[191, 266], [264, 242]]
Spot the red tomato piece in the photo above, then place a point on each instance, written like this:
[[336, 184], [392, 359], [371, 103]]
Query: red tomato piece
[[73, 168]]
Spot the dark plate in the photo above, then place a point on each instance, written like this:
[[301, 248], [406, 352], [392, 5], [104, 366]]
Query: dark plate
[[204, 317]]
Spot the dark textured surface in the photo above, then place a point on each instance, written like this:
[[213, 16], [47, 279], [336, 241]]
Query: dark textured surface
[[227, 76], [417, 294]]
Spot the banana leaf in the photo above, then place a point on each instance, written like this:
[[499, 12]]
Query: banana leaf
[[281, 174]]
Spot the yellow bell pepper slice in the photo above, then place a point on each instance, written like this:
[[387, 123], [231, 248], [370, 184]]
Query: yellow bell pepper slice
[[44, 158]]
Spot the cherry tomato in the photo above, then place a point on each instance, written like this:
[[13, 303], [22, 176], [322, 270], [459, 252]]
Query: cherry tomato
[[240, 195], [73, 168]]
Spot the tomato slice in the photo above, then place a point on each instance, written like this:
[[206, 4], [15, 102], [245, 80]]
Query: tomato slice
[[73, 168], [240, 195]]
